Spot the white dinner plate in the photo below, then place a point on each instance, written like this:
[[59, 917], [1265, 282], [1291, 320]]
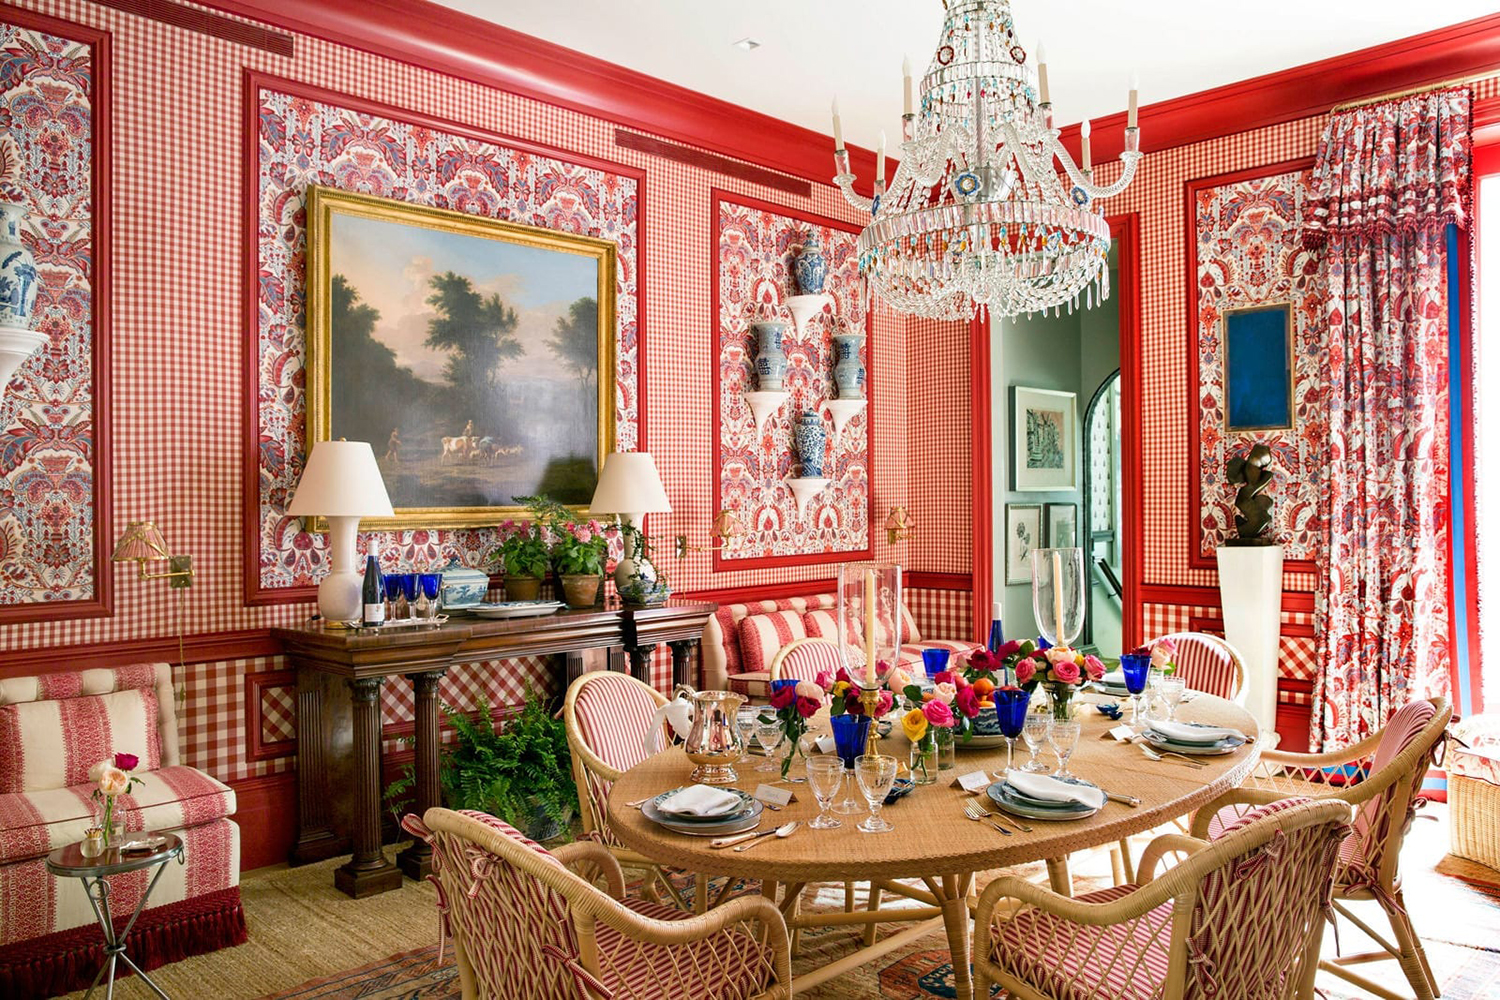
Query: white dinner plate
[[516, 609]]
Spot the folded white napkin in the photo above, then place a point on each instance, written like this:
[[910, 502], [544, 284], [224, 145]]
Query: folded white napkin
[[699, 800], [1049, 789], [1193, 734]]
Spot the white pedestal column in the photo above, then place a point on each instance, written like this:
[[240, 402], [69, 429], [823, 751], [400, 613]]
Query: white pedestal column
[[1250, 589]]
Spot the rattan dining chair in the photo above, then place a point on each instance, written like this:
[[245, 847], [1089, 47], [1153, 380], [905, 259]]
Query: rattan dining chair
[[805, 659], [1208, 663], [606, 714], [527, 922], [1240, 917], [1380, 777]]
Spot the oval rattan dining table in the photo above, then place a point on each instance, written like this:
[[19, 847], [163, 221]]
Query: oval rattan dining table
[[933, 839]]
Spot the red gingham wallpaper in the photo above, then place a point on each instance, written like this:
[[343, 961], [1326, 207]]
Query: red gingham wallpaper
[[938, 444]]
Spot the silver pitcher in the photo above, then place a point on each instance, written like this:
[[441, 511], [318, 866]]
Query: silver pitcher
[[706, 722]]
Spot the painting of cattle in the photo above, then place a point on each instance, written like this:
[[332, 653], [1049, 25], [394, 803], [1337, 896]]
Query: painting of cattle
[[476, 356]]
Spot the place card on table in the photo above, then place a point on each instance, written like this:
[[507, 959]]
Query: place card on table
[[1123, 734], [824, 743], [973, 782], [777, 797]]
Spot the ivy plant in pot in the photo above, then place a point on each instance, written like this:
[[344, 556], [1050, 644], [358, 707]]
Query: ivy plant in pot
[[520, 771]]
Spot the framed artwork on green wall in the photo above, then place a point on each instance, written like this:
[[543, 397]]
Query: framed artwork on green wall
[[1044, 440]]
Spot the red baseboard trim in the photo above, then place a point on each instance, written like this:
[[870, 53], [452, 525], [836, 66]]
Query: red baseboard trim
[[918, 580], [266, 811], [1292, 601]]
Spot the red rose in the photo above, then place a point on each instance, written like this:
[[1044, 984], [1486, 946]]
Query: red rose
[[808, 707], [946, 677], [1009, 649], [843, 675], [852, 704], [784, 696], [982, 660], [1025, 670], [1066, 671], [824, 680], [967, 702], [126, 761]]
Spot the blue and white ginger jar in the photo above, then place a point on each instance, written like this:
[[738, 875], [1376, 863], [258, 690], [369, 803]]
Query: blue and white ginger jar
[[848, 366], [18, 275], [811, 267], [811, 439], [770, 359]]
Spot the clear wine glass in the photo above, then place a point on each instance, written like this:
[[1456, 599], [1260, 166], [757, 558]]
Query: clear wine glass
[[1034, 732], [1171, 692], [825, 776], [1058, 588], [769, 736], [1064, 739], [876, 773]]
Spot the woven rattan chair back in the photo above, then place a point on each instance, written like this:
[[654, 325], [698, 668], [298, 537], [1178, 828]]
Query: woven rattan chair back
[[1208, 663], [606, 715], [805, 659]]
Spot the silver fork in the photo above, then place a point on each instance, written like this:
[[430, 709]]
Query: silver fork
[[1000, 817], [978, 815]]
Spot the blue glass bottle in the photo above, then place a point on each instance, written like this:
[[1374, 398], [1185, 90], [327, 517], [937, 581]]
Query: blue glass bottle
[[997, 633]]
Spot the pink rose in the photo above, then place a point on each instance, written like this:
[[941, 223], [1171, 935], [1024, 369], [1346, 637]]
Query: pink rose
[[808, 707], [885, 704], [1025, 670], [807, 689], [1066, 671], [113, 781], [783, 696], [126, 761], [1160, 656], [944, 692], [1094, 666], [824, 680], [1167, 643], [967, 702], [938, 713], [946, 677], [594, 527]]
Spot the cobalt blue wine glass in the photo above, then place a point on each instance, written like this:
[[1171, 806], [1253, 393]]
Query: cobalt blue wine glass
[[1010, 709], [397, 596], [850, 735], [1136, 667], [934, 661], [430, 585]]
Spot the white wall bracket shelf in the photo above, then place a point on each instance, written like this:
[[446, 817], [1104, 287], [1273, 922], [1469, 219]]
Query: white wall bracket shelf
[[804, 489], [16, 345], [763, 404], [842, 411], [804, 308]]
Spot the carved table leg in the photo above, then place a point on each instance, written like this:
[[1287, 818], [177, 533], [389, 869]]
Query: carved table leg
[[640, 662], [955, 904], [683, 656], [416, 860], [316, 840], [369, 871]]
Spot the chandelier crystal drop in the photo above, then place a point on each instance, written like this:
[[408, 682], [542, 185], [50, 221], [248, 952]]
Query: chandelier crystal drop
[[978, 214]]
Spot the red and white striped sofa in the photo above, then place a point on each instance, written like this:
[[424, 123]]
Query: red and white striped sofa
[[53, 728], [741, 640]]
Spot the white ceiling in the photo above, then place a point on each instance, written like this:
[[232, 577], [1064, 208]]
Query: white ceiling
[[812, 50]]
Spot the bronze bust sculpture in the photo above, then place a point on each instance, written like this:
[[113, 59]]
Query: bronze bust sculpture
[[1252, 474]]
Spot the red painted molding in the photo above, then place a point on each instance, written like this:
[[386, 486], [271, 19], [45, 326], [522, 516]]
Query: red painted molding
[[437, 38], [918, 580], [266, 811], [720, 564], [1306, 90], [762, 592], [101, 189], [704, 160], [1191, 188], [254, 82], [215, 25], [1215, 624], [255, 749], [981, 485], [1292, 601], [1127, 230], [207, 647]]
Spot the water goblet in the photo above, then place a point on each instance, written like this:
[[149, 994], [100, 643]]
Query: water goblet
[[430, 585], [1135, 667], [769, 736], [1034, 731], [850, 737], [1171, 691], [393, 597], [875, 773], [1010, 708], [825, 776], [409, 593], [1064, 739], [935, 661], [746, 721]]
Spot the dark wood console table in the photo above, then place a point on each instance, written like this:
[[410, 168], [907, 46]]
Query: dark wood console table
[[339, 676]]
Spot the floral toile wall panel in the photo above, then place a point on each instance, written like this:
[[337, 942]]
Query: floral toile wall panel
[[303, 141], [1250, 254], [49, 432], [755, 246]]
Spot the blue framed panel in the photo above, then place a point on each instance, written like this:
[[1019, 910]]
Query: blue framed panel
[[1258, 368]]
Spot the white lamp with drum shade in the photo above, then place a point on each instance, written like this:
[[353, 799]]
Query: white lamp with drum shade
[[342, 483], [630, 487]]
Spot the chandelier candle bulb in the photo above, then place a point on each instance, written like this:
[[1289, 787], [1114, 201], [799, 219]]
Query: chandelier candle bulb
[[1084, 130], [880, 161], [1135, 88], [1041, 72], [906, 104], [838, 127]]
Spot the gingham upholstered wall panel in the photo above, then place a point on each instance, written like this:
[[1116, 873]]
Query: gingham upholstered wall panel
[[941, 614], [939, 436], [49, 437]]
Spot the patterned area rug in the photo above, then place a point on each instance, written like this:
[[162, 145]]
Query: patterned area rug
[[1455, 907]]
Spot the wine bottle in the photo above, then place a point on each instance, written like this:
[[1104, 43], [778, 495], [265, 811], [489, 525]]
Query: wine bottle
[[374, 593], [997, 634]]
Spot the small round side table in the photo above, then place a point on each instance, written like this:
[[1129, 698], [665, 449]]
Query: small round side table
[[71, 862]]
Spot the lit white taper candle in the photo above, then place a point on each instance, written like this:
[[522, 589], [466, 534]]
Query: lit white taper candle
[[838, 126], [1041, 72], [1135, 88], [1084, 130], [870, 626], [1057, 595], [880, 160], [906, 85]]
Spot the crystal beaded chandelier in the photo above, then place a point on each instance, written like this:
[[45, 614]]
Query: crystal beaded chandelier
[[977, 214]]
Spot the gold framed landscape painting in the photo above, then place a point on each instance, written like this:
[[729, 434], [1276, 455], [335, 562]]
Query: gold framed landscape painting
[[476, 356]]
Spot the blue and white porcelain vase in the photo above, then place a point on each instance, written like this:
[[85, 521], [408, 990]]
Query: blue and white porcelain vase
[[811, 438], [811, 267], [848, 365], [18, 277], [770, 359]]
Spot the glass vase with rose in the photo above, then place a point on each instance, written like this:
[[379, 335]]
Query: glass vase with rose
[[113, 778]]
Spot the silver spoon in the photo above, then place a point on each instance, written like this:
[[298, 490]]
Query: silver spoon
[[1170, 758], [784, 830]]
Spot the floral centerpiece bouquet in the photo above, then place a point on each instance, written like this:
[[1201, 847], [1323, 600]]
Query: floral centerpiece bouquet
[[928, 723], [1163, 654], [795, 702], [1062, 671], [112, 778]]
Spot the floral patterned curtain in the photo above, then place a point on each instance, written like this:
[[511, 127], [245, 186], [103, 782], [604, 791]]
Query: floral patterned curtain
[[1389, 179]]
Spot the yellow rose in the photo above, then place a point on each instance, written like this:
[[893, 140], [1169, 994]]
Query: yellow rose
[[840, 688], [914, 724]]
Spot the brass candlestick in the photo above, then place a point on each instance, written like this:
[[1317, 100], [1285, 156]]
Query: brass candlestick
[[869, 698]]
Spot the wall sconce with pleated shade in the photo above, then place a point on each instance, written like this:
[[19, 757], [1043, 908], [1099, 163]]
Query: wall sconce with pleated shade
[[899, 525], [141, 543], [726, 526]]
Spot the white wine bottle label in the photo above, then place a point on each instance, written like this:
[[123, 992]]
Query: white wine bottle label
[[374, 614]]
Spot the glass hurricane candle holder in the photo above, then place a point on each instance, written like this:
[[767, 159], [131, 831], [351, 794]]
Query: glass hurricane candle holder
[[1058, 588]]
